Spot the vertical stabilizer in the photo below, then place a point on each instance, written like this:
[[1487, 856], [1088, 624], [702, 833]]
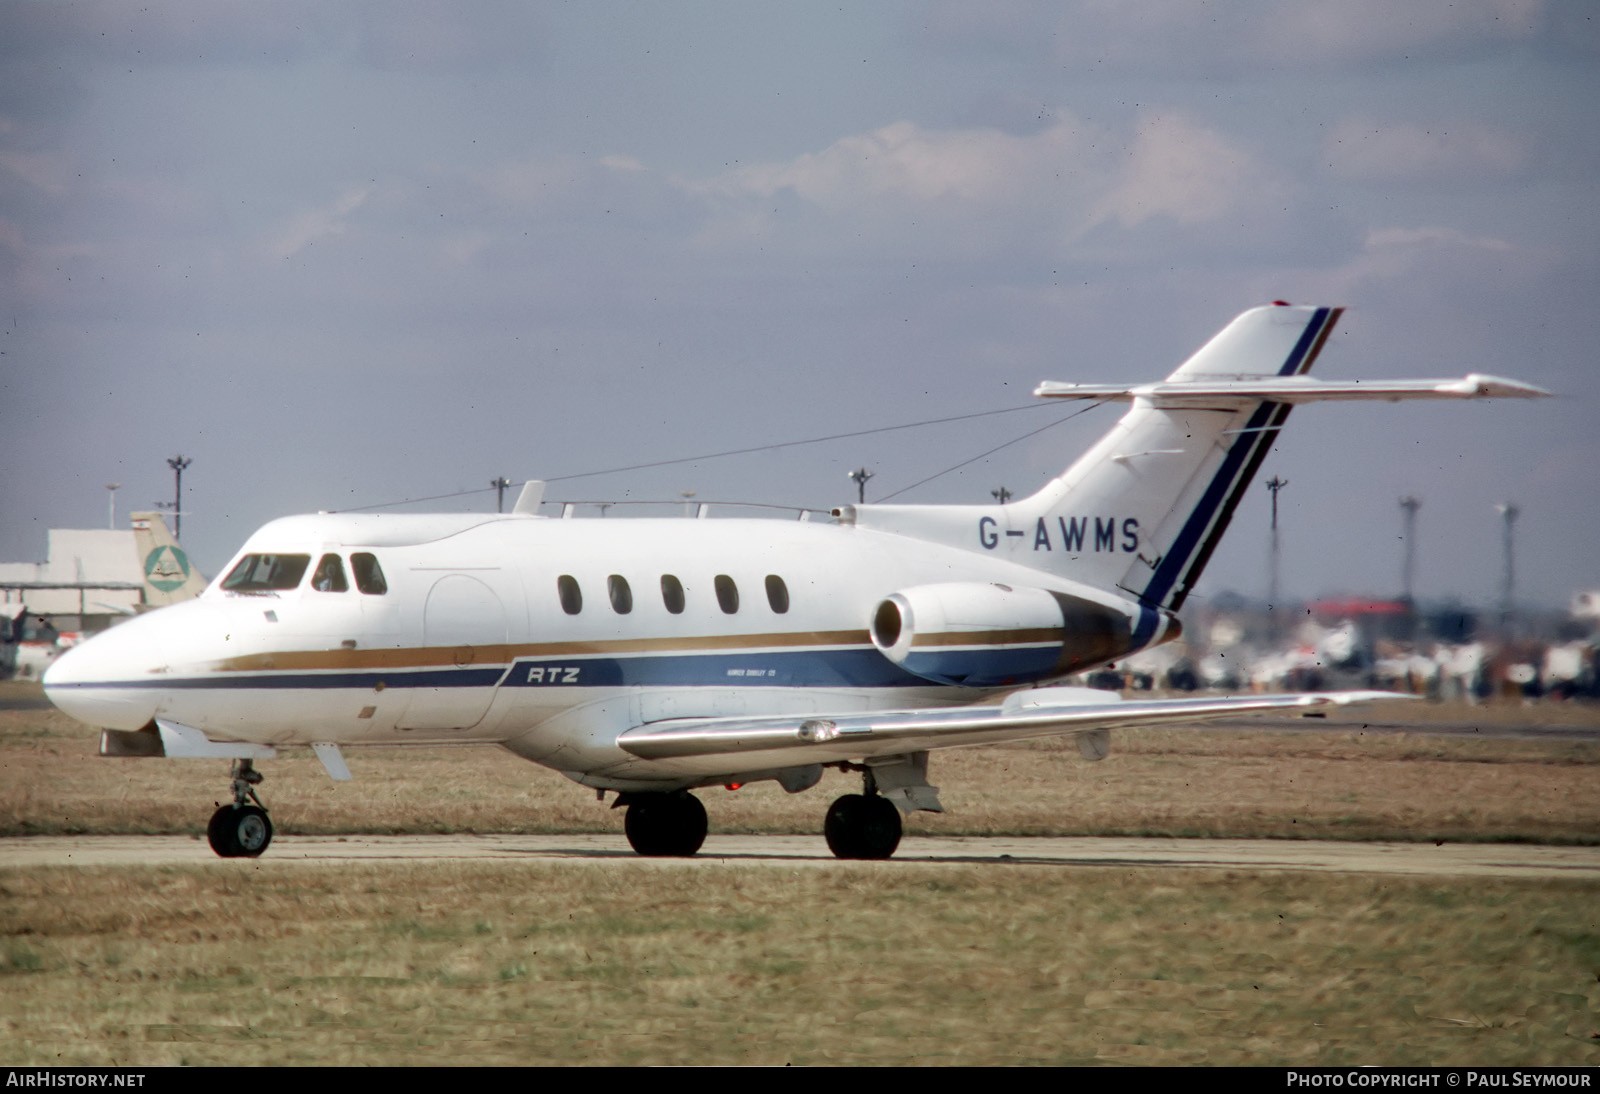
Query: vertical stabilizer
[[1143, 509], [168, 576]]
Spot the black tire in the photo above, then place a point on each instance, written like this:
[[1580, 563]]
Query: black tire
[[665, 825], [862, 827], [239, 832], [217, 831]]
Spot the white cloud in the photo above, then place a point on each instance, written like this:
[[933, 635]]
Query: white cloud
[[903, 161], [1403, 258], [1366, 149], [329, 220], [985, 189], [44, 171], [1183, 170], [1380, 239]]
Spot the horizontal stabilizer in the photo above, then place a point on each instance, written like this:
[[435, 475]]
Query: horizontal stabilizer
[[1045, 712], [1212, 392]]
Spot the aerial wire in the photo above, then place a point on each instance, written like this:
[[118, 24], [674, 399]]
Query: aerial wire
[[992, 451], [763, 448]]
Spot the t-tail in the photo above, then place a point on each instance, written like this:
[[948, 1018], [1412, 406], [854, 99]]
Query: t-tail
[[168, 576], [1142, 511]]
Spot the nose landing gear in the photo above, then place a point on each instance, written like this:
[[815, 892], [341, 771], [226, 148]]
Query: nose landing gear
[[241, 829]]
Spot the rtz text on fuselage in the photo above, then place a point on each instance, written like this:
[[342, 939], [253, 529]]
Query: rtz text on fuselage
[[1075, 535]]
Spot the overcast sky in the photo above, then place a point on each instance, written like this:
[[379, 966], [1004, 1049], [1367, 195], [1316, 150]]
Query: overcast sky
[[343, 254]]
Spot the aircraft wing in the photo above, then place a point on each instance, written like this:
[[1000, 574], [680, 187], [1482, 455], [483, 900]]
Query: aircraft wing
[[1043, 712]]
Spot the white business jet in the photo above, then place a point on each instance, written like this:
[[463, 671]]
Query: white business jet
[[652, 657]]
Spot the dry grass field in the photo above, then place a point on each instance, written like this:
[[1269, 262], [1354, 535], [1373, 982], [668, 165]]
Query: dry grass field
[[1310, 779], [273, 962], [512, 963]]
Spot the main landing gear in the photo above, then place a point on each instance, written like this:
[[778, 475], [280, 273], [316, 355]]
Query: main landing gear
[[664, 825], [862, 826], [242, 829]]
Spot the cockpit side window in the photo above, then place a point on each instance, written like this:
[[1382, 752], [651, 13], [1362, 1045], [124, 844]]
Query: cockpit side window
[[329, 576], [369, 575], [266, 573]]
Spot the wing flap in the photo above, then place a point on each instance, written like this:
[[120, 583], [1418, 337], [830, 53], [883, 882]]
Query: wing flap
[[1045, 712]]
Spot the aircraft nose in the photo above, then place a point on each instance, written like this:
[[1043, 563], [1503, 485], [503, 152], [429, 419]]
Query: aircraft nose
[[112, 680]]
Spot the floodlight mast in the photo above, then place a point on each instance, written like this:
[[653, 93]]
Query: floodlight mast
[[178, 463], [1408, 568], [860, 475], [1274, 484]]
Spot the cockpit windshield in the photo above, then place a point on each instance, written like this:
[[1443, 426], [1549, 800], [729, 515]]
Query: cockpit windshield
[[266, 573]]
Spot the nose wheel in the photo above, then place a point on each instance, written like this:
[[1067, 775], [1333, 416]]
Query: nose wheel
[[241, 829]]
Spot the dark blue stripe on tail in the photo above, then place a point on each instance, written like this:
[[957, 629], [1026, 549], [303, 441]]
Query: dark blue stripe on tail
[[1183, 562]]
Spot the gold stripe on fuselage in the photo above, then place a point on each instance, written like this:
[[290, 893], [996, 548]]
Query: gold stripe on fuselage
[[504, 653]]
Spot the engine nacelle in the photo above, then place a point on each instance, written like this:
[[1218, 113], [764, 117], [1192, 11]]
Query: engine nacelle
[[985, 635]]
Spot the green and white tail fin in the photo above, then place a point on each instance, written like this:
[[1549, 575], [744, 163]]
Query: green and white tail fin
[[168, 576]]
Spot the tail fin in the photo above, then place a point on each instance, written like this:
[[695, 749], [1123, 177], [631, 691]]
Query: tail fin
[[1161, 488], [1144, 508], [168, 577]]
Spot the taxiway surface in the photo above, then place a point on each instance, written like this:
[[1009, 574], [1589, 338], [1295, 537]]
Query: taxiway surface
[[722, 852]]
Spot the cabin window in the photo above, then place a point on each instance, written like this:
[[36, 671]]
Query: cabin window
[[727, 593], [369, 575], [266, 573], [571, 595], [777, 594], [621, 595], [329, 576], [672, 594]]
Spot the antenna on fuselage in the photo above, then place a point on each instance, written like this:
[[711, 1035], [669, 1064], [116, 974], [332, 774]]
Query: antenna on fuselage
[[530, 499]]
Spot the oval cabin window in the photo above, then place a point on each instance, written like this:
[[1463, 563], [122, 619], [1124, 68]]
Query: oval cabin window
[[727, 594], [777, 594], [571, 595], [621, 595], [672, 594]]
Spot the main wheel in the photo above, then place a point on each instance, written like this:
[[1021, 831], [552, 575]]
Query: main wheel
[[859, 826], [665, 825], [239, 831]]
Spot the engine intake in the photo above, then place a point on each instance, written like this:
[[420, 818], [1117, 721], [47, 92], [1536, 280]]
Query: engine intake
[[984, 634]]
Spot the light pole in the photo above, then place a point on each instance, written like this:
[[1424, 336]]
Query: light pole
[[178, 463], [500, 485], [1409, 506], [860, 475], [1274, 484], [111, 504], [1508, 516]]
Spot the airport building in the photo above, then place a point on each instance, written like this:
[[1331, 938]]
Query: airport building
[[89, 579], [86, 572]]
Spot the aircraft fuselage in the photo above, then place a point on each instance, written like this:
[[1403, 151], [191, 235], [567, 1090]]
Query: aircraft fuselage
[[489, 628]]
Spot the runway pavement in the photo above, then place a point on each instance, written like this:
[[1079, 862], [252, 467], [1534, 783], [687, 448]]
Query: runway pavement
[[1460, 860]]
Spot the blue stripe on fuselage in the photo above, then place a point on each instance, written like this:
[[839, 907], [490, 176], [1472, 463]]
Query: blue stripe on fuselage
[[862, 667]]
